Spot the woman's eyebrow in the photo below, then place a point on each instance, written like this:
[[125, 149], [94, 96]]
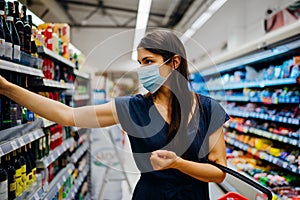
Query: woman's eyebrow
[[145, 58]]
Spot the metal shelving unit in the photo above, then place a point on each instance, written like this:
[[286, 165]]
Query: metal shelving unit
[[45, 51], [263, 155], [53, 155], [15, 67], [263, 133]]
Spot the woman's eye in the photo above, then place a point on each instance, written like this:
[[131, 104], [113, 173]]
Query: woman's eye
[[148, 62]]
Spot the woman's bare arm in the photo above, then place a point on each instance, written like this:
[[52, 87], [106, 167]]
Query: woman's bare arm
[[87, 116]]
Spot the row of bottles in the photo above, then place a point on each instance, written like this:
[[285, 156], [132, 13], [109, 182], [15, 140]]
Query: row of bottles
[[11, 113], [18, 168], [17, 172], [15, 31]]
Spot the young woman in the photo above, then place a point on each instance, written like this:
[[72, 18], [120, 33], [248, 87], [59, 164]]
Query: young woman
[[173, 132]]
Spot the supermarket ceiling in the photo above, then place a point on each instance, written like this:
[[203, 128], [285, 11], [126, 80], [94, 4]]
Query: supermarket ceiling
[[109, 13]]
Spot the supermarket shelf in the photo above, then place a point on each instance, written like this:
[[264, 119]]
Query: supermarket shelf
[[266, 134], [46, 51], [79, 97], [79, 152], [262, 155], [36, 194], [78, 183], [280, 119], [81, 74], [234, 59], [256, 84], [46, 122], [14, 67], [277, 100], [16, 143], [53, 155], [57, 84], [38, 83], [57, 182]]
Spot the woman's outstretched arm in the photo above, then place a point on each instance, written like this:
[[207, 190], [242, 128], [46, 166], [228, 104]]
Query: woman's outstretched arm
[[88, 116]]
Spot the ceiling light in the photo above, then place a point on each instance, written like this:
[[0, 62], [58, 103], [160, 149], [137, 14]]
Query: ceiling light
[[141, 24], [216, 5]]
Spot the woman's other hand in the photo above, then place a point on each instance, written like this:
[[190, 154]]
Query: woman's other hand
[[163, 159]]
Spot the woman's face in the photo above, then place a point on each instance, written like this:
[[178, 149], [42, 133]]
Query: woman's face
[[146, 58]]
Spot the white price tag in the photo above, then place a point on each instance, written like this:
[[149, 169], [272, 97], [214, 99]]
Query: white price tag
[[21, 141], [36, 196], [14, 145], [52, 158], [31, 137], [1, 152], [64, 179], [36, 134]]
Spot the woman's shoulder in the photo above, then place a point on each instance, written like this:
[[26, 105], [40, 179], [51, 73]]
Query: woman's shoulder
[[136, 100]]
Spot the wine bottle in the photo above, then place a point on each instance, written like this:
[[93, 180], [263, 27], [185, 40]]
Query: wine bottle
[[14, 33], [17, 165], [8, 38], [28, 166], [11, 177], [32, 160], [27, 30], [19, 24], [3, 183], [23, 169], [2, 33]]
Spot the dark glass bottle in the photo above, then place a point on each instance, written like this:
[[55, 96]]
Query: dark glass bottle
[[11, 176], [23, 169], [3, 183], [27, 30], [19, 25], [32, 160], [17, 165], [28, 166], [8, 38], [13, 31], [2, 32]]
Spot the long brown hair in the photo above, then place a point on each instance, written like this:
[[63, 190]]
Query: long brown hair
[[167, 44]]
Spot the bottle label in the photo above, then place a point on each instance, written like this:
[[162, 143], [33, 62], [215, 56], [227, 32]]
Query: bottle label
[[19, 185], [33, 175], [2, 47], [24, 177], [3, 190], [29, 179], [12, 187], [8, 50], [2, 12], [17, 52]]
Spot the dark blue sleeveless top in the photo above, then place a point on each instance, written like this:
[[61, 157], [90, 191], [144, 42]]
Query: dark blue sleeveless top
[[147, 132]]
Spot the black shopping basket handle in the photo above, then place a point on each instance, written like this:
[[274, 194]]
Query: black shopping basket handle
[[244, 178]]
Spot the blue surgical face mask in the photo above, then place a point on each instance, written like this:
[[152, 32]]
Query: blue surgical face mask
[[150, 77]]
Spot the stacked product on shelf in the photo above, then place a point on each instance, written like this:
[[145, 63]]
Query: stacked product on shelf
[[40, 159], [262, 97]]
